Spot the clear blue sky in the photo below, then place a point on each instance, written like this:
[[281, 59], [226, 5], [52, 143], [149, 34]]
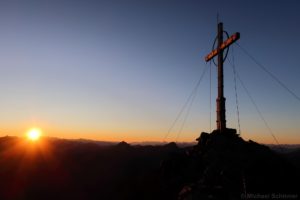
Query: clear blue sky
[[121, 70]]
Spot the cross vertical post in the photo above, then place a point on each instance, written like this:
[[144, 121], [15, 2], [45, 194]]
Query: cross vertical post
[[221, 117]]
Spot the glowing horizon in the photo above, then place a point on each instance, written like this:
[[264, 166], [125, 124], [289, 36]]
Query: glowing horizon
[[262, 137]]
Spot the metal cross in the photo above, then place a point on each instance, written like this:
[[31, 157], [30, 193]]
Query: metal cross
[[221, 119]]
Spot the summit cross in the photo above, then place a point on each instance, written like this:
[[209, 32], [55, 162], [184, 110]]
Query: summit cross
[[221, 118]]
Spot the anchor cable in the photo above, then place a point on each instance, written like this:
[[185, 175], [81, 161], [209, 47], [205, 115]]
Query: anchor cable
[[257, 109], [210, 96], [186, 116], [186, 103], [236, 93], [268, 72]]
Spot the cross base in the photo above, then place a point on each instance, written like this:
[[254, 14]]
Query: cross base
[[228, 133]]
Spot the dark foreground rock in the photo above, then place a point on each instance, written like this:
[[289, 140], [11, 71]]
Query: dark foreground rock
[[224, 166]]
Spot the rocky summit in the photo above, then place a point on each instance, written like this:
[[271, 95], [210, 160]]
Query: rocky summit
[[224, 166]]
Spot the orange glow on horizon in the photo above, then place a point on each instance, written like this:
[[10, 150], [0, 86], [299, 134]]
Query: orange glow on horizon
[[140, 135]]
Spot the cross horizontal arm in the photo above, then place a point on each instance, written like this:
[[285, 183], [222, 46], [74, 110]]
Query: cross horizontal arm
[[224, 45]]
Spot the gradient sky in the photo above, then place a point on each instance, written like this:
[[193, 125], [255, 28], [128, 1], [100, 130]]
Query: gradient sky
[[122, 70]]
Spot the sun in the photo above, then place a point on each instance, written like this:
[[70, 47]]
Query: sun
[[34, 134]]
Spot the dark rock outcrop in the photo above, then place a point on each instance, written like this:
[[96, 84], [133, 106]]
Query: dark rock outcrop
[[224, 166]]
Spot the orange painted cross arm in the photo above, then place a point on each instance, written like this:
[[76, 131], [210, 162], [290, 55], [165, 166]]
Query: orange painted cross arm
[[224, 45]]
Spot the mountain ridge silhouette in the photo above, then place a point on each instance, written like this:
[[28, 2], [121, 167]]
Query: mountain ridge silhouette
[[78, 169]]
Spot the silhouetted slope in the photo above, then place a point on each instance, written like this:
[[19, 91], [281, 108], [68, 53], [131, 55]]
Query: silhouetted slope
[[224, 166], [72, 169], [294, 158], [219, 166]]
